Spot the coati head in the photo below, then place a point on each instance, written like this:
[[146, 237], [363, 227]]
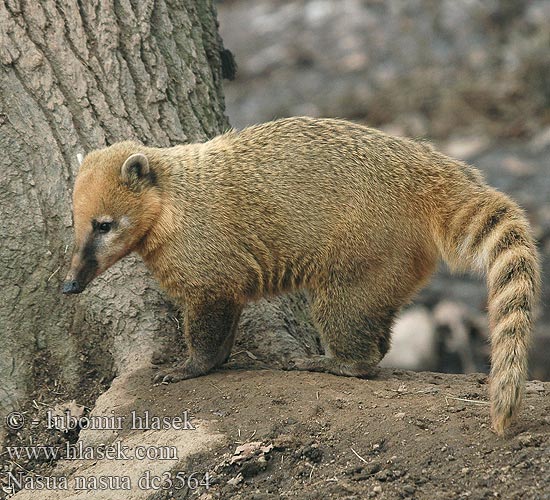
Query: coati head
[[116, 200]]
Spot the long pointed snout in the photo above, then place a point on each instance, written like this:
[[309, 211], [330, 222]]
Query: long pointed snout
[[84, 267]]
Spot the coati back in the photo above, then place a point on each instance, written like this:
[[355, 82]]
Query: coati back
[[356, 217]]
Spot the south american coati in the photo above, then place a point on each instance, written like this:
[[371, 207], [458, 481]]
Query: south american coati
[[355, 217]]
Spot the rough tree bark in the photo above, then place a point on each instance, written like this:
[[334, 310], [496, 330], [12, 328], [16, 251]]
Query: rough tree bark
[[76, 76]]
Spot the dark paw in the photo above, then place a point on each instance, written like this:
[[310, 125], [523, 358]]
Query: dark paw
[[172, 375]]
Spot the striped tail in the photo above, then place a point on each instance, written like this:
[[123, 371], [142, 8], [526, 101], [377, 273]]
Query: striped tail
[[490, 233]]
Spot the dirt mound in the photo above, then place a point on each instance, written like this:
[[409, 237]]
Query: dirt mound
[[272, 434], [403, 434]]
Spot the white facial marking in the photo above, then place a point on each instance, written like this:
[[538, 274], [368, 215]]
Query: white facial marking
[[125, 222]]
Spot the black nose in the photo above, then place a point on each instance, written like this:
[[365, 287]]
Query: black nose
[[72, 286]]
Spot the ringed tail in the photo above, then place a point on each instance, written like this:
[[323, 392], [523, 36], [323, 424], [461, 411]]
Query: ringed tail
[[489, 233]]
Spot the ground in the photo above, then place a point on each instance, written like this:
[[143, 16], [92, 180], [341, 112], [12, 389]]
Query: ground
[[309, 435], [403, 434]]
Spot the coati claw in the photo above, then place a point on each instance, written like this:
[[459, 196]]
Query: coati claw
[[184, 371], [171, 376], [298, 364]]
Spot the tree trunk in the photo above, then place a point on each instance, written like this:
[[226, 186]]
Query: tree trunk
[[77, 76]]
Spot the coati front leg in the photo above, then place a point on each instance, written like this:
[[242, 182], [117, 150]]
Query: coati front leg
[[210, 328], [355, 335]]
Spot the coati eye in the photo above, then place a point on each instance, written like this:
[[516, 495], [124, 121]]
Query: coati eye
[[104, 227]]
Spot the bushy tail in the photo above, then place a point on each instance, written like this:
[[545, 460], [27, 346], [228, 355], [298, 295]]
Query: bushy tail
[[490, 233]]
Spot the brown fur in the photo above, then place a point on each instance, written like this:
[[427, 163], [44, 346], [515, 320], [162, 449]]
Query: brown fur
[[354, 216]]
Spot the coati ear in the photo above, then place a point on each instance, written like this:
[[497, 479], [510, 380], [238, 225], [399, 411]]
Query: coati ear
[[135, 168]]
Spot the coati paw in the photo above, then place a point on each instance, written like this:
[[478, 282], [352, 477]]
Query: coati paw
[[316, 363], [189, 369], [171, 376], [305, 364]]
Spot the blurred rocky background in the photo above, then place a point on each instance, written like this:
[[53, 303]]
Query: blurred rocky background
[[471, 76]]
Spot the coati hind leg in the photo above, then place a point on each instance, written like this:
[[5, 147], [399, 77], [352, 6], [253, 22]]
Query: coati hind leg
[[355, 335], [209, 333]]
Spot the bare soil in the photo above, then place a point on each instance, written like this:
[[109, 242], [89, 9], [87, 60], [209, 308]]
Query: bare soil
[[400, 435]]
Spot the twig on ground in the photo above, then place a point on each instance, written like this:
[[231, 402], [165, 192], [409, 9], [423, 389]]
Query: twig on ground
[[358, 456], [474, 401]]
